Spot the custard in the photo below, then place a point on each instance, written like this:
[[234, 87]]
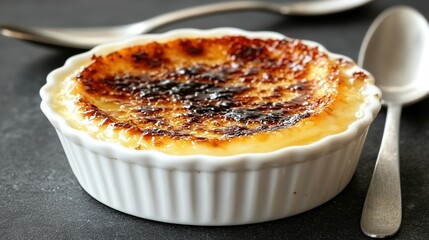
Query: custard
[[213, 95]]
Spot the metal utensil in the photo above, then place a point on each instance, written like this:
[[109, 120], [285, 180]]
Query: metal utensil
[[84, 38], [396, 51]]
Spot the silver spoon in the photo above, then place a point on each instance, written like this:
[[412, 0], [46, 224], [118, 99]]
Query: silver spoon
[[396, 51], [84, 38]]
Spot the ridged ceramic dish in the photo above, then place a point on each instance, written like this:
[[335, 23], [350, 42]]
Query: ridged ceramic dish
[[202, 189]]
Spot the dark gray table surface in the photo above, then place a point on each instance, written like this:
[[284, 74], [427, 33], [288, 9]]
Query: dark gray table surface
[[41, 199]]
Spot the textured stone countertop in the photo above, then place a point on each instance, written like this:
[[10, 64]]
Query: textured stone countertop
[[41, 199]]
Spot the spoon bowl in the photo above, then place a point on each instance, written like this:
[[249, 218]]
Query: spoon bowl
[[86, 38], [395, 51]]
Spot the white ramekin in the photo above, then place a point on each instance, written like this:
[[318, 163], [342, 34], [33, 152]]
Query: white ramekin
[[209, 190]]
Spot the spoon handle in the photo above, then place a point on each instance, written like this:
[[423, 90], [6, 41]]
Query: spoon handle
[[382, 210], [308, 8]]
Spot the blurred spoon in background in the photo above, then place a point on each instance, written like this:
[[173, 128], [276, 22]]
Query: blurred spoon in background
[[85, 38]]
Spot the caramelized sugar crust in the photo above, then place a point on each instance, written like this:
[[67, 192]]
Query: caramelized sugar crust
[[209, 90]]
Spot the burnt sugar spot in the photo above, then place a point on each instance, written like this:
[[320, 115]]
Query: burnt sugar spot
[[247, 53], [191, 71], [360, 76], [246, 50], [192, 47], [152, 56], [125, 85]]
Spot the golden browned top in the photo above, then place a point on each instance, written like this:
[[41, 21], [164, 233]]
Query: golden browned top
[[208, 89]]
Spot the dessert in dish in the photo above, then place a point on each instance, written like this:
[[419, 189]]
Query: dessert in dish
[[211, 127], [213, 95]]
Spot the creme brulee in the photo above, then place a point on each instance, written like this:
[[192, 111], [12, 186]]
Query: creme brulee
[[213, 95]]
